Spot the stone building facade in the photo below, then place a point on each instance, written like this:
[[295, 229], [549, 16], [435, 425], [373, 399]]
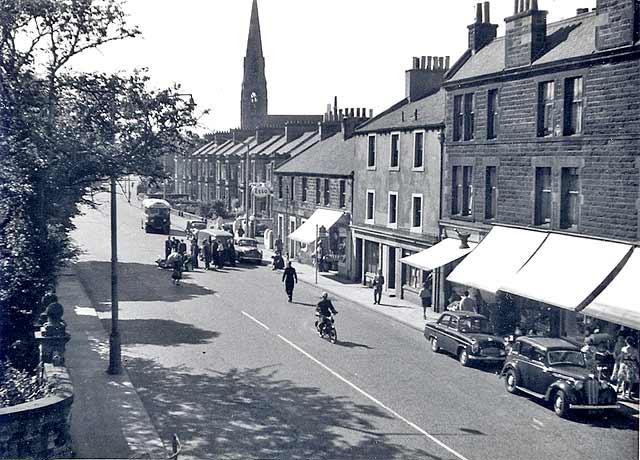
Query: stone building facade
[[543, 135]]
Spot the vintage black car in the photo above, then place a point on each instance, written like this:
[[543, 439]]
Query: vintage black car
[[554, 370], [467, 335], [247, 250]]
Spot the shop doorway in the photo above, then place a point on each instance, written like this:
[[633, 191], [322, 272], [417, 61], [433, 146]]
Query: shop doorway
[[358, 270], [391, 268]]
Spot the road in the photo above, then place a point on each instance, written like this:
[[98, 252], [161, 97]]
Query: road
[[238, 372]]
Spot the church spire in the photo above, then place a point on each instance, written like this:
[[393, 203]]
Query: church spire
[[253, 105], [254, 42]]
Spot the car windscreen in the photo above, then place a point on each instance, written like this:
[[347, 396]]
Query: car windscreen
[[157, 211], [198, 225], [565, 357], [248, 243], [480, 325]]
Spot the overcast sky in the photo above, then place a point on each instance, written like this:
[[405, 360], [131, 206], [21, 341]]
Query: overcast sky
[[357, 50]]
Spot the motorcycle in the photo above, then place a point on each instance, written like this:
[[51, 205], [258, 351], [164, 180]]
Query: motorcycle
[[326, 328]]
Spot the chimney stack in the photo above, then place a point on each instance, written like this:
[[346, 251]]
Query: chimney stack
[[526, 33], [482, 32], [426, 79], [618, 23]]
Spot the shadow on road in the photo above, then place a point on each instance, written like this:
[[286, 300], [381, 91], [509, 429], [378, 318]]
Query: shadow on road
[[161, 332], [136, 283], [251, 413], [347, 344]]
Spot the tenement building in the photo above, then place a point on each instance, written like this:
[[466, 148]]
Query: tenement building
[[542, 169], [313, 196], [397, 182]]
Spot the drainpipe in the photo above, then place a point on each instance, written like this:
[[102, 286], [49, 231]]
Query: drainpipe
[[439, 275]]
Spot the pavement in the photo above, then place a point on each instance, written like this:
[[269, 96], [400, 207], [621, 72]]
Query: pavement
[[109, 419]]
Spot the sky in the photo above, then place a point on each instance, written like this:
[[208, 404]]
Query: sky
[[357, 50]]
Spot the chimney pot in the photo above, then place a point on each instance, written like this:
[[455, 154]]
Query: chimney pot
[[423, 62], [429, 62], [522, 10], [416, 63], [447, 61], [440, 63], [487, 12], [534, 5], [364, 112], [527, 5], [370, 113], [580, 11], [358, 112], [478, 13]]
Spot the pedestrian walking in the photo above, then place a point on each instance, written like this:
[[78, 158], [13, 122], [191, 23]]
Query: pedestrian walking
[[425, 297], [195, 253], [378, 283], [175, 244], [279, 245], [182, 247], [221, 255], [617, 356], [176, 275], [231, 254], [168, 246], [290, 278], [240, 231], [215, 256], [467, 303], [628, 373], [206, 254]]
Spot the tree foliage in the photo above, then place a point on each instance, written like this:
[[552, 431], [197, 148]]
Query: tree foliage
[[62, 133]]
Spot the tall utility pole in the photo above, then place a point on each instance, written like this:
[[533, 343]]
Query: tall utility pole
[[247, 198], [115, 358]]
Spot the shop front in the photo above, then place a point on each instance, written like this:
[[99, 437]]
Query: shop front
[[325, 237]]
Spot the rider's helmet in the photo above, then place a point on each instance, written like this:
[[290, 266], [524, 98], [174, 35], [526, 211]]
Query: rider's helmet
[[324, 295]]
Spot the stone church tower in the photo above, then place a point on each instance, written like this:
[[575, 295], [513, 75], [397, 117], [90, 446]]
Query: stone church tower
[[253, 105]]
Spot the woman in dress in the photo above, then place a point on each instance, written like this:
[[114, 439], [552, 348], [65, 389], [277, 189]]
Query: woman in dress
[[628, 369]]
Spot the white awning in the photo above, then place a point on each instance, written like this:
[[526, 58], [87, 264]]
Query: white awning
[[619, 302], [446, 251], [306, 233], [566, 270], [497, 258]]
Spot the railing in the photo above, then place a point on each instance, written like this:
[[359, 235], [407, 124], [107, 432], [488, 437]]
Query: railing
[[176, 447]]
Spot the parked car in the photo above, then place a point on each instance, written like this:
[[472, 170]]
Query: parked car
[[194, 226], [466, 335], [247, 250], [554, 370]]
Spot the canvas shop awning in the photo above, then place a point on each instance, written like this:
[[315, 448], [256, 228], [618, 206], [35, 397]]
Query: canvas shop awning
[[619, 302], [306, 233], [442, 253], [497, 258], [566, 270]]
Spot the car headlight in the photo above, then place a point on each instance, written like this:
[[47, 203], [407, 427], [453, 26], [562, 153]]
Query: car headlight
[[579, 385], [475, 348]]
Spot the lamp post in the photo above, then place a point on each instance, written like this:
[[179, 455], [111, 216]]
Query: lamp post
[[246, 192], [115, 358]]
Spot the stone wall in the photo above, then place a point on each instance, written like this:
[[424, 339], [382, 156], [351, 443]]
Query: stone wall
[[39, 429]]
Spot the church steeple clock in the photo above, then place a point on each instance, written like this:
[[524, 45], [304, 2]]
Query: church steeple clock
[[253, 106]]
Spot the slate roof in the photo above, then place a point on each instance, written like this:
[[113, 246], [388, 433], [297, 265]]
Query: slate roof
[[240, 147], [300, 144], [260, 148], [273, 147], [401, 116], [203, 149], [569, 38], [332, 156]]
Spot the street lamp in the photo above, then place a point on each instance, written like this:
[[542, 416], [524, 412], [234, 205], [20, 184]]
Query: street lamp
[[115, 356], [246, 191]]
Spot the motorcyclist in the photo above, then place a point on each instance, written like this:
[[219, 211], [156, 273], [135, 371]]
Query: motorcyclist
[[325, 310]]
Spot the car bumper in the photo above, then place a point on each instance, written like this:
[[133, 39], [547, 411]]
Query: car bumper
[[493, 359], [592, 407], [253, 258]]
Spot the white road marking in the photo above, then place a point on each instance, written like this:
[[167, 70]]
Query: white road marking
[[374, 400], [535, 420], [216, 294], [255, 320]]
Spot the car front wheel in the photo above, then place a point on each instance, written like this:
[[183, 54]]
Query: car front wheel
[[434, 345], [511, 381], [560, 404], [463, 357]]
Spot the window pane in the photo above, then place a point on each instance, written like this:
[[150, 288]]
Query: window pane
[[370, 205], [545, 109], [327, 193], [492, 114], [457, 118], [343, 193], [569, 200], [318, 191], [417, 212], [490, 193], [467, 191], [468, 117], [371, 160], [543, 196], [456, 189], [393, 211], [394, 150]]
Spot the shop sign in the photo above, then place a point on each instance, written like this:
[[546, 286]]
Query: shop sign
[[261, 191]]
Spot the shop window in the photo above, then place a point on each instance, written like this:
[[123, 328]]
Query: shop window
[[493, 124], [413, 277], [491, 193], [546, 102], [371, 256], [570, 198], [394, 161], [543, 196], [573, 106]]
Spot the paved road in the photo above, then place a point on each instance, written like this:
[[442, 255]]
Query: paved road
[[237, 372]]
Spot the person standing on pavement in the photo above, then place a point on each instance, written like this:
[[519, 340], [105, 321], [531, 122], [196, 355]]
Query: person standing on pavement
[[279, 245], [467, 303], [425, 297], [290, 278], [206, 253], [182, 247], [221, 254], [195, 252], [214, 254], [168, 245], [175, 244], [628, 373], [378, 283]]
